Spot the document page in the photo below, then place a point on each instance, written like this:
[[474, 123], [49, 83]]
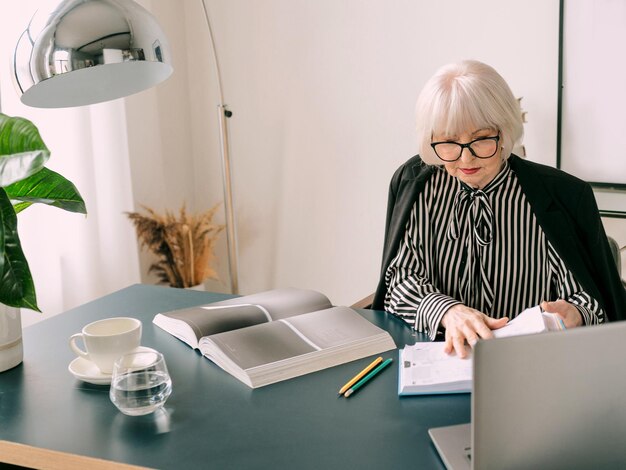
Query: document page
[[529, 321], [553, 321], [426, 364]]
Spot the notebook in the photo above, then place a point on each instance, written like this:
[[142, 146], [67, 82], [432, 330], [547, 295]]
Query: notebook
[[554, 400]]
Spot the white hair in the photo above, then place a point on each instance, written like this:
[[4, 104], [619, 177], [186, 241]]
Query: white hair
[[465, 97]]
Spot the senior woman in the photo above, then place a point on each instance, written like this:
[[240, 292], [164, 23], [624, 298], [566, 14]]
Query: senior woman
[[475, 234]]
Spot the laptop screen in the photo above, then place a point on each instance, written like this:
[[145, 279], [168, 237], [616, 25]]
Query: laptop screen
[[551, 400]]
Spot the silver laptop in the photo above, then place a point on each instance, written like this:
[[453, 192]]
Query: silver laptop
[[550, 400]]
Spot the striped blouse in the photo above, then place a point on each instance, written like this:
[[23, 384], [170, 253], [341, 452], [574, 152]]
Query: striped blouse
[[482, 248]]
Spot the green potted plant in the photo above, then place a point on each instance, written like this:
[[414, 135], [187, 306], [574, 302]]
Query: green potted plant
[[24, 180]]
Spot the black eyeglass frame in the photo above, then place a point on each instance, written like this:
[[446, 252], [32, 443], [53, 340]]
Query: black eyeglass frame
[[468, 146]]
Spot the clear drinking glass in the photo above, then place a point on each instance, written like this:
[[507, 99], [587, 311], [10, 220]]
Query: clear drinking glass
[[140, 383]]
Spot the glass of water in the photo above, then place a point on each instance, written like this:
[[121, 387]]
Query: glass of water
[[140, 383]]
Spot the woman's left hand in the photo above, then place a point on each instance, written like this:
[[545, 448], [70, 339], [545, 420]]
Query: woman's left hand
[[569, 313]]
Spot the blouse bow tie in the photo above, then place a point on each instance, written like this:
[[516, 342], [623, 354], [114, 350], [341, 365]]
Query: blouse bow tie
[[473, 204], [472, 217]]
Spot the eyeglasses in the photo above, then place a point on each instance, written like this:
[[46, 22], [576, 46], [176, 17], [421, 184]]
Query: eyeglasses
[[483, 147]]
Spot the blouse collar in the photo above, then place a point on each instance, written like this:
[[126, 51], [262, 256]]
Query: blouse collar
[[493, 184]]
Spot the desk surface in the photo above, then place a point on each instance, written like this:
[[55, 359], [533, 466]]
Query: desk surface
[[211, 419]]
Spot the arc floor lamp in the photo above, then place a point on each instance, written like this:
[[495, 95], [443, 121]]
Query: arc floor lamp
[[81, 52]]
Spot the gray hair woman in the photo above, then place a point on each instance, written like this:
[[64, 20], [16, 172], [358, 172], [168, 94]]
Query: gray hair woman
[[475, 234]]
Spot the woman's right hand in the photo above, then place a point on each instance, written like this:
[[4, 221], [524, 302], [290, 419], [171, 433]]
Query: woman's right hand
[[464, 324]]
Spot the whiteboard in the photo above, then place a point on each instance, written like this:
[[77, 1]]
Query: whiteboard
[[593, 99]]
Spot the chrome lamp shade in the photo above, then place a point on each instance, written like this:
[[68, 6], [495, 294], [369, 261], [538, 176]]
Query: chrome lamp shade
[[80, 52]]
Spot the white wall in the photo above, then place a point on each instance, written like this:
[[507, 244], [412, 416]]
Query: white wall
[[323, 94]]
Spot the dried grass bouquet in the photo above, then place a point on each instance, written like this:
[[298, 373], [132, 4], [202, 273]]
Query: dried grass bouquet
[[184, 245]]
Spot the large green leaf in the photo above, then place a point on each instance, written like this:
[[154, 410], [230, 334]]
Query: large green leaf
[[46, 187], [2, 243], [16, 284], [22, 151]]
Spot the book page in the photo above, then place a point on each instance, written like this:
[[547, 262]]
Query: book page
[[283, 303], [258, 345], [333, 327], [208, 320]]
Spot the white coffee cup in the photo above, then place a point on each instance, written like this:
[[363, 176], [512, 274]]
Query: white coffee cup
[[106, 340]]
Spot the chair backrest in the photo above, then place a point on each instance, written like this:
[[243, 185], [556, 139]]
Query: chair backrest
[[617, 256], [364, 303]]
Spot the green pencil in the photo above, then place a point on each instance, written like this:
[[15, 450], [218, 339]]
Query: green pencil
[[365, 379]]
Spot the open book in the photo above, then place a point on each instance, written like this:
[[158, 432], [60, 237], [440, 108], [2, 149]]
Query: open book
[[426, 369], [276, 335]]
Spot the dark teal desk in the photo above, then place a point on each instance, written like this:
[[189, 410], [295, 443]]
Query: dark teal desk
[[212, 420]]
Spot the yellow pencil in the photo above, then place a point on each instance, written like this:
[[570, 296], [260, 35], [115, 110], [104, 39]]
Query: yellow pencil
[[360, 375]]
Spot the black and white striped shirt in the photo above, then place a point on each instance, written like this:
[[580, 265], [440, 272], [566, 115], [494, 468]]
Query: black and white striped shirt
[[482, 248]]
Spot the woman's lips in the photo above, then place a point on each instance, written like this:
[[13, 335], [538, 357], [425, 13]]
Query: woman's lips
[[469, 171]]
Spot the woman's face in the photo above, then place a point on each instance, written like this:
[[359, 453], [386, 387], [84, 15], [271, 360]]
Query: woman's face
[[475, 172]]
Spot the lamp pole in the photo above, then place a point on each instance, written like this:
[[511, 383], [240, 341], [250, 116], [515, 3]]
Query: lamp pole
[[223, 113]]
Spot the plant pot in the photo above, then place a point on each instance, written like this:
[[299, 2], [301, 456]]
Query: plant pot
[[197, 287], [11, 350]]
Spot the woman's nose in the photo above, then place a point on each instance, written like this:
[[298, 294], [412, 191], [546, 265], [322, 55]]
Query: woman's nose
[[466, 155]]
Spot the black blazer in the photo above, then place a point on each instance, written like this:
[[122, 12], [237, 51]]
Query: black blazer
[[565, 209]]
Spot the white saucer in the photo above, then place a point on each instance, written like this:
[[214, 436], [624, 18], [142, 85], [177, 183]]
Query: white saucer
[[85, 370]]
